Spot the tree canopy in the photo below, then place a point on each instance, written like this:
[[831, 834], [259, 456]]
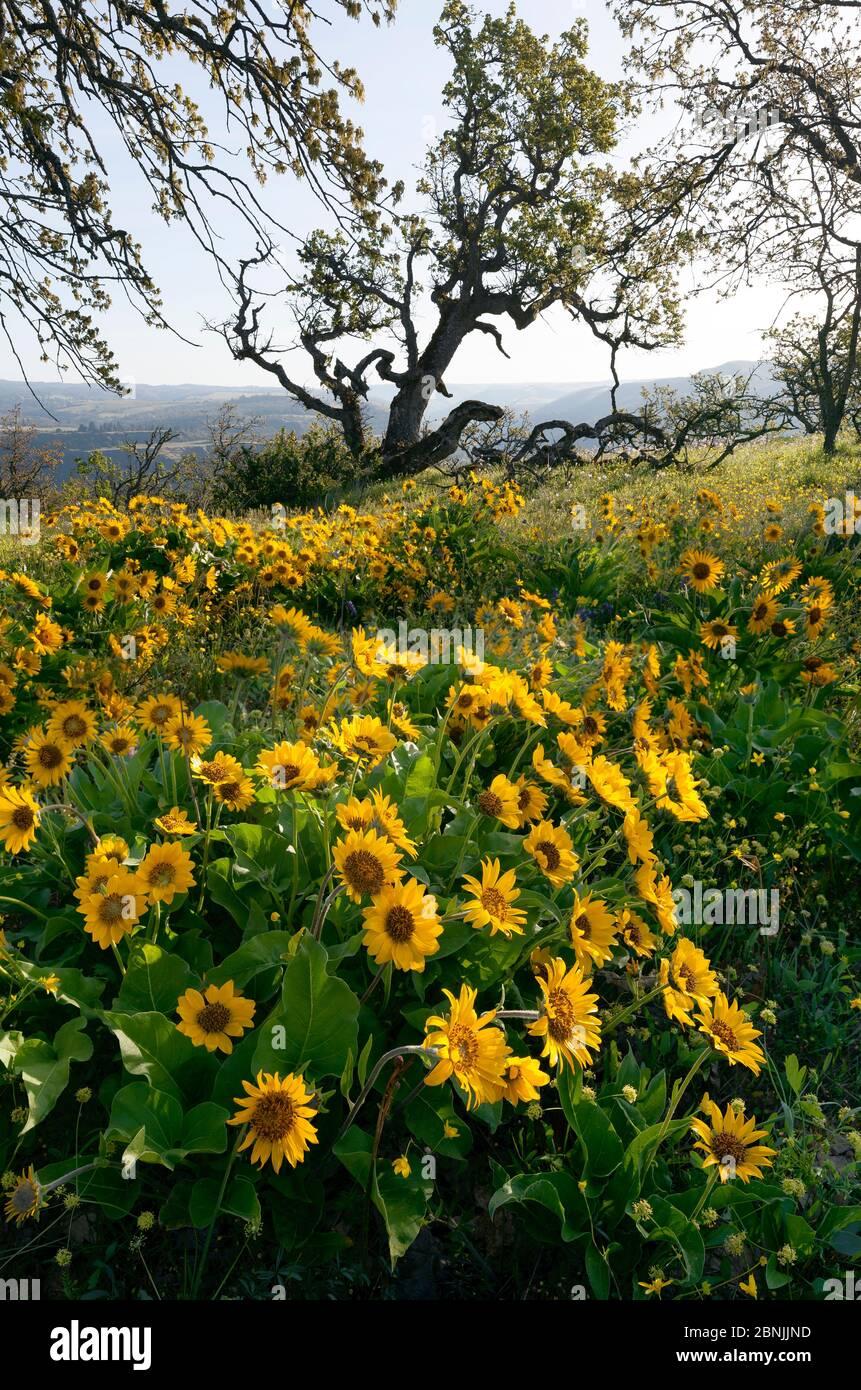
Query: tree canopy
[[73, 71]]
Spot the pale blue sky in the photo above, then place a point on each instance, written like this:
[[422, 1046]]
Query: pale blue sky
[[403, 74]]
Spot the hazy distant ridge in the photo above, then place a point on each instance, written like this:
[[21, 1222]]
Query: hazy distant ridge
[[85, 418]]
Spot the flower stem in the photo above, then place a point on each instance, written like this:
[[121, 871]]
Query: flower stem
[[416, 1049], [221, 1191]]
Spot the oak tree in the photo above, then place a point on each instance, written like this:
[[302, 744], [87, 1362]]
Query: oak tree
[[517, 209]]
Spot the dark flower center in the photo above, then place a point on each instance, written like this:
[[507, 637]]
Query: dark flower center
[[561, 1016], [552, 857], [112, 909], [725, 1033], [363, 871], [162, 875], [725, 1146], [494, 902], [274, 1116], [462, 1046], [399, 924], [214, 1018]]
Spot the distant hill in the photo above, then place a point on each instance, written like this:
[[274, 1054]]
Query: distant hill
[[590, 402], [77, 418]]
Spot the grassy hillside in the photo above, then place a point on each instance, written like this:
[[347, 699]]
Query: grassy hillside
[[414, 970]]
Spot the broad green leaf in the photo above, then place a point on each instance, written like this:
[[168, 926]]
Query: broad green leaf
[[44, 1068], [802, 1236], [315, 1023], [74, 986], [9, 1045], [216, 714], [643, 1146], [141, 1109], [240, 1200], [601, 1144], [204, 1129], [421, 777], [775, 1277], [153, 982], [152, 1047], [222, 891], [263, 952], [598, 1271], [427, 1117], [156, 1129], [402, 1202], [557, 1192], [107, 1188], [261, 852]]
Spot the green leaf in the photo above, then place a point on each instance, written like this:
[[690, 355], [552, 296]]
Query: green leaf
[[156, 1129], [598, 1271], [109, 1190], [74, 988], [139, 1109], [44, 1068], [653, 1104], [240, 1200], [674, 1225], [426, 1118], [801, 1235], [364, 1059], [837, 1218], [421, 776], [174, 1213], [775, 1277], [66, 924], [153, 982], [262, 952], [402, 1202], [599, 1140], [216, 715], [204, 1129], [315, 1024], [222, 891], [9, 1045], [152, 1047], [557, 1192], [347, 1076], [262, 853], [569, 1086], [795, 1074], [644, 1145]]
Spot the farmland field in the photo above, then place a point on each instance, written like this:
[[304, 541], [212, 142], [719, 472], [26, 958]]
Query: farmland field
[[517, 957]]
